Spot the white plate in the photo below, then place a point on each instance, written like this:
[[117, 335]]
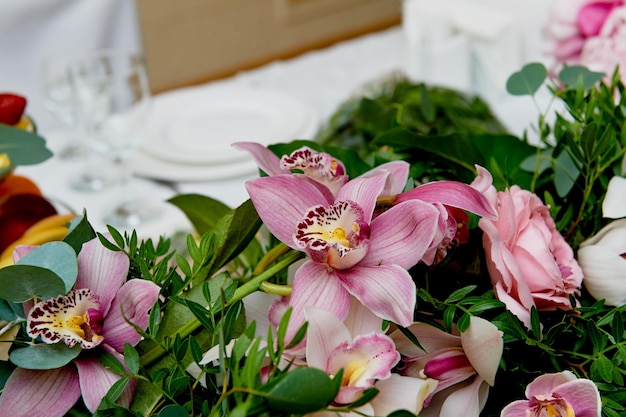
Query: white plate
[[197, 125], [147, 166]]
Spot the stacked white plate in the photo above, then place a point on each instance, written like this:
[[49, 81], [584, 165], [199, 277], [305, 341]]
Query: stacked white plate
[[191, 131]]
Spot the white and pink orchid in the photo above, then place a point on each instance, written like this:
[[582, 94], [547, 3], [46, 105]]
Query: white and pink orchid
[[367, 357], [93, 314], [463, 364], [559, 394]]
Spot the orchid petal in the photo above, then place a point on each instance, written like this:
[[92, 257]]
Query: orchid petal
[[467, 401], [387, 290], [583, 395], [256, 306], [22, 250], [613, 206], [49, 393], [361, 320], [547, 383], [315, 285], [484, 184], [132, 303], [515, 409], [605, 274], [324, 333], [452, 193], [429, 337], [412, 224], [101, 270], [368, 358], [483, 345], [398, 176], [265, 159], [282, 201], [402, 393], [364, 191], [95, 382]]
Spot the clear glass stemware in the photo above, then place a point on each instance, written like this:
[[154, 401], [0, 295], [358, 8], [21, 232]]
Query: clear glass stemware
[[113, 85]]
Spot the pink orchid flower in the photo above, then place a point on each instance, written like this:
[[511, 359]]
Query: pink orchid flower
[[367, 355], [319, 166], [93, 314], [463, 364], [350, 252], [559, 394]]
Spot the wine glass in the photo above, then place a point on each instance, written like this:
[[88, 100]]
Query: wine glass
[[112, 88], [59, 100]]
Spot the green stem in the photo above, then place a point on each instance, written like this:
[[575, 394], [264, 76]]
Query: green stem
[[246, 289]]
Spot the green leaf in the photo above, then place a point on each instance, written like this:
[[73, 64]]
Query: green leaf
[[233, 233], [21, 283], [535, 323], [79, 232], [58, 257], [570, 75], [565, 174], [203, 212], [301, 391], [173, 411], [111, 363], [131, 358], [43, 356], [528, 80], [464, 322], [457, 149], [116, 390], [460, 294], [23, 148], [603, 367]]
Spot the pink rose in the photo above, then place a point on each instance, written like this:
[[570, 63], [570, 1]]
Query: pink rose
[[571, 23], [529, 262]]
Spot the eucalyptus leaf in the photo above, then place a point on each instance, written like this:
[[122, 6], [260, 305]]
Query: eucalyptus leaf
[[21, 283], [44, 356], [528, 80], [301, 391], [565, 174], [58, 257], [570, 75], [23, 148]]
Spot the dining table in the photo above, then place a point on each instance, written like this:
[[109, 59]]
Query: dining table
[[299, 95]]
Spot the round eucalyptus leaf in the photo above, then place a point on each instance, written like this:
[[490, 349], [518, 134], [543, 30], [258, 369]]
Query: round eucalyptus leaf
[[528, 80], [58, 257], [44, 356], [20, 283], [302, 391]]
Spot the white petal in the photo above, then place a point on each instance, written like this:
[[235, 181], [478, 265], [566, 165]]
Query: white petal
[[482, 343], [614, 204], [402, 392]]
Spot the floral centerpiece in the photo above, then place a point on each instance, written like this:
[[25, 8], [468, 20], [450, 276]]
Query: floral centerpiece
[[415, 260]]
